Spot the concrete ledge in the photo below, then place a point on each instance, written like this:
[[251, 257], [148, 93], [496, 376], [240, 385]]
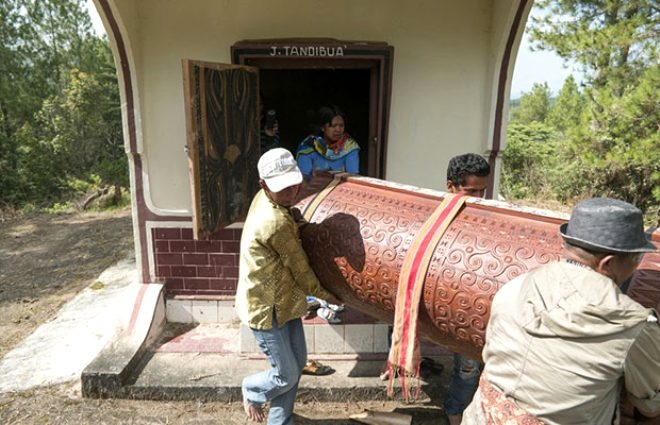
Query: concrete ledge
[[215, 377], [107, 374]]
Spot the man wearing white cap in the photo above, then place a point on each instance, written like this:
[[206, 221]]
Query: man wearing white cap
[[563, 341], [274, 279]]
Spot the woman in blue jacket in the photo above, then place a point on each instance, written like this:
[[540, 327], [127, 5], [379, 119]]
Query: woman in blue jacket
[[333, 149]]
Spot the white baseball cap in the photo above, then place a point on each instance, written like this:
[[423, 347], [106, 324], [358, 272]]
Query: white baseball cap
[[279, 169]]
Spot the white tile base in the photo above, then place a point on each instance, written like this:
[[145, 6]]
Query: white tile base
[[200, 311], [332, 339]]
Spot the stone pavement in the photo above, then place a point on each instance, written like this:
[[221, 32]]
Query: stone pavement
[[110, 339], [202, 362]]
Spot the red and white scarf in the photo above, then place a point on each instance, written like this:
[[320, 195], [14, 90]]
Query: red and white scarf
[[404, 357]]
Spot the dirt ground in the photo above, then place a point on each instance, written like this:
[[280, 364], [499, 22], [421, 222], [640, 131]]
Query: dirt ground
[[45, 260]]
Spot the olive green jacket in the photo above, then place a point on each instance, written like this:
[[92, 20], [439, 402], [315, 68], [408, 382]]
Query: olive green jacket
[[274, 271]]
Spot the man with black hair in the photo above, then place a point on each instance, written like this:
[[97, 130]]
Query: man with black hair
[[467, 174]]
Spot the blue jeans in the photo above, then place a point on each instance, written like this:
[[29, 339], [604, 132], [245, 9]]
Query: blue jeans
[[287, 353], [462, 384]]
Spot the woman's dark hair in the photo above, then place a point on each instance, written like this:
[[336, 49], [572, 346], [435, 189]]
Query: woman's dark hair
[[327, 113], [469, 164]]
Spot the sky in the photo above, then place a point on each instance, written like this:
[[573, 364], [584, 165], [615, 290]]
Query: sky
[[531, 67], [538, 67]]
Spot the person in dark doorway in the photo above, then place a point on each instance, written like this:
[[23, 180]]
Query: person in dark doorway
[[562, 340], [274, 278], [333, 149], [467, 174], [270, 131]]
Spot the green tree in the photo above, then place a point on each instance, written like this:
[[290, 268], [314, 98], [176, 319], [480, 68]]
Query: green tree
[[59, 104], [528, 160], [612, 40], [566, 111], [13, 110], [609, 142], [81, 126], [534, 106], [619, 151], [41, 41]]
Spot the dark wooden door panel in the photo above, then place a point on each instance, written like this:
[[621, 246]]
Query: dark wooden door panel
[[221, 103]]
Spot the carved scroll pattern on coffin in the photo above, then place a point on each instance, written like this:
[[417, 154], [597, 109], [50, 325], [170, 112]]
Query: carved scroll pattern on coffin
[[479, 253], [363, 234], [367, 253]]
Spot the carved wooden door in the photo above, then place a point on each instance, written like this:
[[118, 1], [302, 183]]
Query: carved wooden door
[[222, 126]]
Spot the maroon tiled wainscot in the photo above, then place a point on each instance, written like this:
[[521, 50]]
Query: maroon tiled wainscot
[[197, 268]]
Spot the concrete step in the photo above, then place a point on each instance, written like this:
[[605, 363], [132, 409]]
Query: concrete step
[[197, 349], [204, 362]]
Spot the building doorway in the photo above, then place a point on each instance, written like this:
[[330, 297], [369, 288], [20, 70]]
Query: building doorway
[[297, 76], [296, 95]]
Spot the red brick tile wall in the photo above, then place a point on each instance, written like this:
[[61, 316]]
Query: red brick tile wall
[[196, 268]]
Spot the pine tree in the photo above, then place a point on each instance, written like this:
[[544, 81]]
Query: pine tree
[[534, 106], [610, 141], [566, 111], [59, 103]]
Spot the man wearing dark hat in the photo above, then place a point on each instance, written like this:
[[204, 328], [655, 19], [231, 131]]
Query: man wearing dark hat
[[562, 339]]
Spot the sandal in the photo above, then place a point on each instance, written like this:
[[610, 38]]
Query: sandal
[[323, 303], [329, 315], [316, 368]]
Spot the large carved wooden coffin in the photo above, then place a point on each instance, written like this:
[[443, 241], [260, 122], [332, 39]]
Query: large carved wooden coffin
[[360, 232]]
